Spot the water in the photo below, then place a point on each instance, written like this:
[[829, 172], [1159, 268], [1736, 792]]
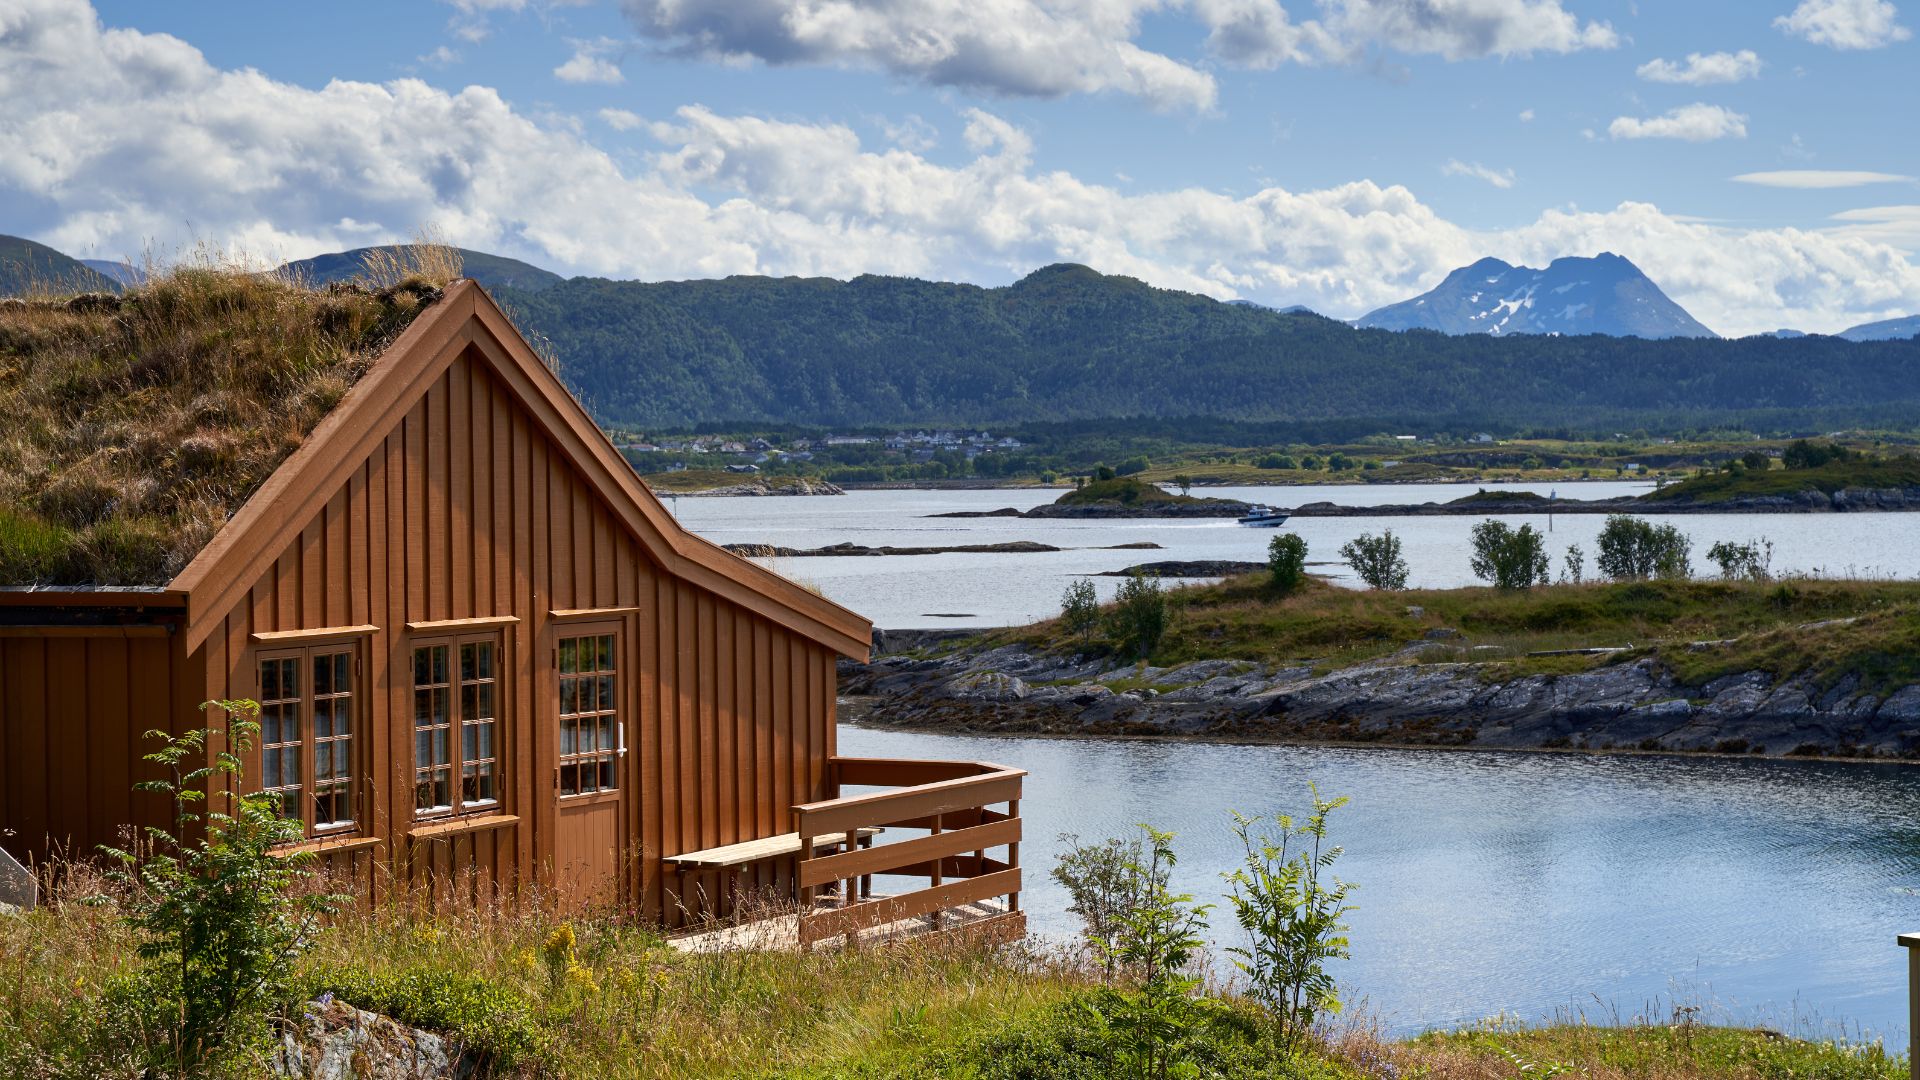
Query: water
[[1531, 884], [1004, 590]]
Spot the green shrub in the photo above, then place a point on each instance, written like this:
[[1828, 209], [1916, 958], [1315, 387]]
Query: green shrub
[[1287, 561], [1635, 549], [1377, 560], [1080, 609], [1751, 561], [1292, 918], [1139, 617], [1131, 466], [1510, 558], [222, 922], [486, 1018]]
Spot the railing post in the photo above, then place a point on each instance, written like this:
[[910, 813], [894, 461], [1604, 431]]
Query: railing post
[[935, 876], [806, 891], [1912, 944], [1013, 858]]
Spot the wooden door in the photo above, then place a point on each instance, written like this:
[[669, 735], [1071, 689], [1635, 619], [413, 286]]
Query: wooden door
[[587, 721]]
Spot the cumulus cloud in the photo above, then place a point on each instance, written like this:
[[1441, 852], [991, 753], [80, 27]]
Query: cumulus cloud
[[1049, 48], [1703, 69], [621, 119], [1694, 123], [1845, 24], [1035, 48], [1820, 178], [589, 63], [1500, 178], [114, 139]]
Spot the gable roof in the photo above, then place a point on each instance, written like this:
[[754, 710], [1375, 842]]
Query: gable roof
[[466, 319]]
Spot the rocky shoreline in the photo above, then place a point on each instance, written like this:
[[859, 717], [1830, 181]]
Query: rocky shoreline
[[789, 485], [1844, 501], [1429, 694], [1010, 547], [1207, 508]]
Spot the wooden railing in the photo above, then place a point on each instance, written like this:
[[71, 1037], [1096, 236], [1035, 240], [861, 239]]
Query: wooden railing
[[951, 801]]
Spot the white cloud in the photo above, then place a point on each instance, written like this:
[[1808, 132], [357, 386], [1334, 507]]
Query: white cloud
[[114, 138], [1526, 116], [1845, 24], [1036, 48], [1049, 48], [589, 63], [1464, 29], [621, 119], [440, 57], [1694, 123], [1895, 225], [1500, 178], [1820, 178], [1703, 69]]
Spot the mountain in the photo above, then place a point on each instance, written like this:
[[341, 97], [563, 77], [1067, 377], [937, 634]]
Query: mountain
[[124, 274], [493, 271], [1785, 332], [1069, 344], [27, 267], [1602, 295], [1888, 330]]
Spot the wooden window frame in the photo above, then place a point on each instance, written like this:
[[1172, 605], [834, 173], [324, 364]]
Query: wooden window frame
[[458, 763], [613, 756], [303, 657]]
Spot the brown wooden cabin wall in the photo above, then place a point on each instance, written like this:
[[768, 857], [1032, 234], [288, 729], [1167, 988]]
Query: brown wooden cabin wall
[[74, 705], [467, 512]]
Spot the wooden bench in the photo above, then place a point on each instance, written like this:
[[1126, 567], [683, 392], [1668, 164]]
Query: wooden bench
[[732, 857]]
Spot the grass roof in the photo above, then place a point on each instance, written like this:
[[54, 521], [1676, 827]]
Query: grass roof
[[136, 425]]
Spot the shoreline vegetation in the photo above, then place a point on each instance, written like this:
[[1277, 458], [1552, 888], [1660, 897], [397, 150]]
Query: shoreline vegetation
[[521, 991], [1783, 668]]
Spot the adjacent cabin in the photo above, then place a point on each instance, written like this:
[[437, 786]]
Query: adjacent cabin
[[489, 663]]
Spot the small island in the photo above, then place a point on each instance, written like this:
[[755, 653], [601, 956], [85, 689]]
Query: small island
[[1109, 496]]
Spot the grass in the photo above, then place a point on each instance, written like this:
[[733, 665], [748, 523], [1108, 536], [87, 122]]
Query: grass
[[137, 424], [544, 996], [1902, 471], [1328, 627]]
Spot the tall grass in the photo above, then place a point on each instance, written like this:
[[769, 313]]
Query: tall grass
[[137, 424], [543, 993]]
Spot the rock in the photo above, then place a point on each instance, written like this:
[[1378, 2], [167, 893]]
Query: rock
[[1415, 611], [1441, 633], [1203, 568], [335, 1041]]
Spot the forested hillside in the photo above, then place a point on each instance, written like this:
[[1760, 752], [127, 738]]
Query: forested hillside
[[1067, 343]]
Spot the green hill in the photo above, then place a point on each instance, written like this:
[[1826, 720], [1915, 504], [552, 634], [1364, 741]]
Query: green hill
[[496, 272], [1068, 344], [27, 268]]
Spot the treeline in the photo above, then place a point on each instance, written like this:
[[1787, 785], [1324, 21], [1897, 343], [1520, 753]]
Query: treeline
[[1068, 345]]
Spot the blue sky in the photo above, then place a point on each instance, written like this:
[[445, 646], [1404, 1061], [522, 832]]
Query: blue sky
[[1337, 153]]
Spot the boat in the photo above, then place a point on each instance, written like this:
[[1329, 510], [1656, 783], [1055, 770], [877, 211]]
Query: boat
[[1264, 517]]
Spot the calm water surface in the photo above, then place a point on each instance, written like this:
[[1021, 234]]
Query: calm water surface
[[1531, 883], [1004, 590]]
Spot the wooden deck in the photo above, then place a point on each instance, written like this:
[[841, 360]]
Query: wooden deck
[[837, 861], [986, 919]]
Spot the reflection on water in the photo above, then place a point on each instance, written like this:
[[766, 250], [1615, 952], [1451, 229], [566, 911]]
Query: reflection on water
[[1002, 590], [1529, 883]]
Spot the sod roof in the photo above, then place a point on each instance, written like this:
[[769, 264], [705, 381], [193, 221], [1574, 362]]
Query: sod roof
[[136, 425]]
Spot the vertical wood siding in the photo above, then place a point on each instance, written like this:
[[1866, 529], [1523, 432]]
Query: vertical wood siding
[[469, 511], [73, 710]]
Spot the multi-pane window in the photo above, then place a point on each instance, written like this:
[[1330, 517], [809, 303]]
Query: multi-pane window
[[590, 732], [455, 720], [306, 734]]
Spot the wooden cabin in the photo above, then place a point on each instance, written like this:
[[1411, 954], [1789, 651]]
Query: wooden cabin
[[490, 662]]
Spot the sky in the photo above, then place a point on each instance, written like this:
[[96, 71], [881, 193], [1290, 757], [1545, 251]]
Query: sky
[[1757, 158]]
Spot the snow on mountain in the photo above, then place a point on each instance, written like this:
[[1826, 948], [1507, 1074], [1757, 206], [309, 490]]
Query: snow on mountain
[[1602, 295]]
